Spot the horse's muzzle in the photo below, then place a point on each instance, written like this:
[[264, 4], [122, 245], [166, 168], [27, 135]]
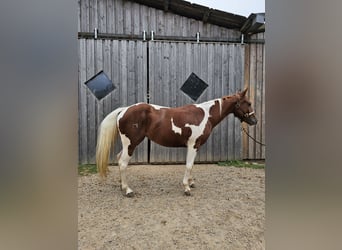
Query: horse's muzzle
[[251, 120]]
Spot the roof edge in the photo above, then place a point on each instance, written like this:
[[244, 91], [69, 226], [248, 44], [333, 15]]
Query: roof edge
[[198, 12]]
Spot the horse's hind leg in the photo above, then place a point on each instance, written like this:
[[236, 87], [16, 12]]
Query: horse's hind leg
[[123, 159]]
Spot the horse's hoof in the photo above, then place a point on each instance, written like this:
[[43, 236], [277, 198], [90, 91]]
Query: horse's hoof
[[187, 193], [130, 194]]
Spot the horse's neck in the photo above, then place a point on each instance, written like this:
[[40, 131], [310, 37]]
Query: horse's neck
[[226, 106]]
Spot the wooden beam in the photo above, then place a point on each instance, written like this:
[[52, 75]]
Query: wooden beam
[[166, 5], [206, 16]]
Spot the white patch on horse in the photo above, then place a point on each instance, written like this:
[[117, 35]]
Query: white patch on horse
[[197, 131], [157, 107], [137, 104], [125, 141], [121, 115], [220, 103], [175, 129]]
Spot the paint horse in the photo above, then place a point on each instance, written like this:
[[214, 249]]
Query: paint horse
[[187, 126]]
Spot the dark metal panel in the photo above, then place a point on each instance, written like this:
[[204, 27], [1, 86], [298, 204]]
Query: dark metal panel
[[100, 85], [194, 86]]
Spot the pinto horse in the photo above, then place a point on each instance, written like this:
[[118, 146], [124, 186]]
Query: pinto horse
[[187, 126]]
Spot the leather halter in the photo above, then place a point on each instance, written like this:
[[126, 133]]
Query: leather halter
[[245, 115]]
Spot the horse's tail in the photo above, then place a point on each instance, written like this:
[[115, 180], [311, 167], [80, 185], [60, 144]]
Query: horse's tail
[[107, 133]]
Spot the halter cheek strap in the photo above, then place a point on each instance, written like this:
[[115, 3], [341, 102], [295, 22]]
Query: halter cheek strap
[[246, 115]]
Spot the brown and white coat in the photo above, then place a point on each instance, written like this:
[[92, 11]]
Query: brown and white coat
[[187, 126]]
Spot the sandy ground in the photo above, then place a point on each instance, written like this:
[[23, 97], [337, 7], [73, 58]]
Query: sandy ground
[[226, 209]]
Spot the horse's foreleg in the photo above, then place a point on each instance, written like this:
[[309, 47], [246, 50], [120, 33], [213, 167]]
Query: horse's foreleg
[[190, 158], [191, 180]]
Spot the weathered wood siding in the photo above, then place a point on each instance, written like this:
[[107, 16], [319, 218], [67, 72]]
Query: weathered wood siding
[[221, 66], [125, 64], [129, 18], [255, 81]]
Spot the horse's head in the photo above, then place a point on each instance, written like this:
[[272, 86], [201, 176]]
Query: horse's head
[[243, 109]]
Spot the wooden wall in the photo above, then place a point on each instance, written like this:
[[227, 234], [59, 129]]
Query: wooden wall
[[255, 81], [125, 17], [124, 62]]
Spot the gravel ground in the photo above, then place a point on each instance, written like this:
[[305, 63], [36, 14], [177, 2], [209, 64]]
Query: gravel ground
[[225, 211]]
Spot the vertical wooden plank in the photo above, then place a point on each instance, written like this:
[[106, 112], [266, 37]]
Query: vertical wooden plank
[[160, 22], [214, 31], [119, 16], [202, 72], [151, 68], [263, 138], [91, 112], [107, 69], [155, 99], [140, 90], [84, 15], [246, 85], [193, 27], [127, 17], [110, 21], [130, 55], [180, 97], [123, 72], [185, 26], [251, 130], [223, 32], [211, 82], [173, 88], [136, 19], [152, 21], [258, 99], [131, 52], [224, 91], [79, 19], [93, 17], [259, 96], [98, 68], [210, 147], [239, 85], [116, 74], [169, 26], [177, 22], [166, 90], [231, 119], [83, 125], [102, 16], [145, 23], [217, 93]]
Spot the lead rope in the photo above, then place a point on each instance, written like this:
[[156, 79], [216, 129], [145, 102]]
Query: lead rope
[[244, 130]]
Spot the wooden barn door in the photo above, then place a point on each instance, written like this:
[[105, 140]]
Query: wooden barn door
[[125, 63], [221, 66], [158, 69]]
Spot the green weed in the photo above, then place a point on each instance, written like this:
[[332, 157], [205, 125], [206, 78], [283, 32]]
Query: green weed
[[242, 164], [87, 169]]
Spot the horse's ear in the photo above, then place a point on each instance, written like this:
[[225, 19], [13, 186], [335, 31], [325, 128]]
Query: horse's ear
[[243, 93]]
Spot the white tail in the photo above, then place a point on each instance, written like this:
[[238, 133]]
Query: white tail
[[106, 137]]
